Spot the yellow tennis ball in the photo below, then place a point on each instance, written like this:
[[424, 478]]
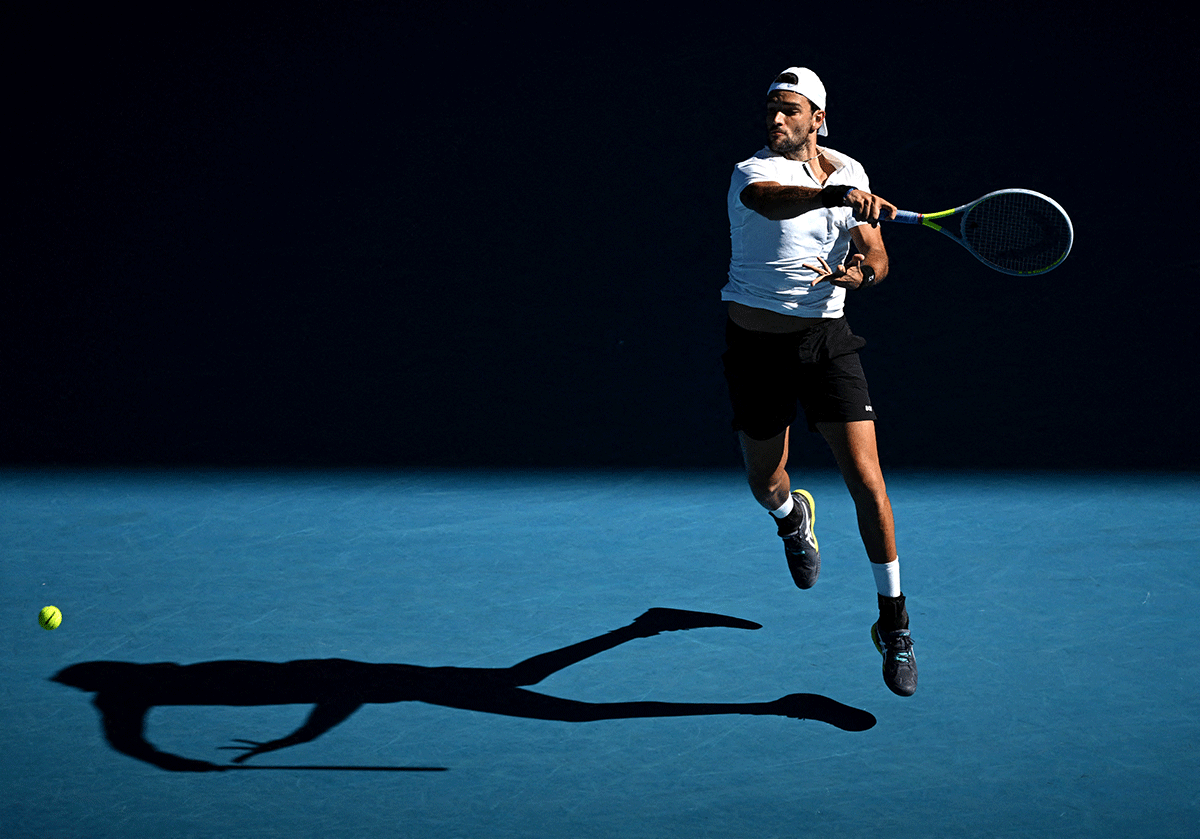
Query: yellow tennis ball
[[50, 617]]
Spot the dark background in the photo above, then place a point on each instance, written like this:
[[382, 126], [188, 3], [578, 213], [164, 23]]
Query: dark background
[[346, 234]]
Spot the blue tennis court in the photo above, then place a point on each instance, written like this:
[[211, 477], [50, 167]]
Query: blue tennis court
[[1050, 611], [337, 235]]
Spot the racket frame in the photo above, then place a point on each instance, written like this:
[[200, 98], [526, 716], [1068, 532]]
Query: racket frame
[[931, 220]]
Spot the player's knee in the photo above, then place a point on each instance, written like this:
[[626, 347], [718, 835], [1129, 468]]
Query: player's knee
[[764, 482], [867, 488]]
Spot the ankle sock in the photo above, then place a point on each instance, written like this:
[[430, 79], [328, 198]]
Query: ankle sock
[[892, 613], [887, 577], [784, 511]]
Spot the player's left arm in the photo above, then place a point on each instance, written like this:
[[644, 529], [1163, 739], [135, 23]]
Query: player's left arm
[[871, 254], [324, 716], [868, 239]]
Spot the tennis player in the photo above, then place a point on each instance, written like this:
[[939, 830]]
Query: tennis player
[[795, 211]]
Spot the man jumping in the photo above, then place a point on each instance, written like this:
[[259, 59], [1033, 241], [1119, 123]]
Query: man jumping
[[795, 210]]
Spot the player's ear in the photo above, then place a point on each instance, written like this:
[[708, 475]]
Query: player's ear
[[818, 118]]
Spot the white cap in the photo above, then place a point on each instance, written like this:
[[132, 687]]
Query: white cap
[[807, 84]]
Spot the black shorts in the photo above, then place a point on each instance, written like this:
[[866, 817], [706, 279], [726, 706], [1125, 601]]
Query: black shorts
[[817, 367]]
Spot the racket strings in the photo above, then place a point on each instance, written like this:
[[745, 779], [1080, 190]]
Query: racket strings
[[1018, 232]]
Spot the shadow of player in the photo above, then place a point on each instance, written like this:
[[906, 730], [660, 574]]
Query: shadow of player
[[125, 692]]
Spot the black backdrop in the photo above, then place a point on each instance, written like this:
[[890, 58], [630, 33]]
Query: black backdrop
[[345, 234]]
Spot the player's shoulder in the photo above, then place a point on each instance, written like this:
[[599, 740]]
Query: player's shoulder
[[763, 158], [845, 162], [763, 165]]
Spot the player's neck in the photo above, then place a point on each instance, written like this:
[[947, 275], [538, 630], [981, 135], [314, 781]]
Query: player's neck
[[808, 154]]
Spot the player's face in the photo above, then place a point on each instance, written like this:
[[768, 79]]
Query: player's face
[[792, 124]]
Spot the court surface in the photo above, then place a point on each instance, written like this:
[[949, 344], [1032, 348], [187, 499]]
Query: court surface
[[1051, 613]]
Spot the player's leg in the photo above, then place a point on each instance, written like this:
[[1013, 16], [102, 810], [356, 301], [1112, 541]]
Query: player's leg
[[759, 368], [856, 451], [793, 511], [517, 702], [766, 469], [650, 623], [854, 448], [761, 372]]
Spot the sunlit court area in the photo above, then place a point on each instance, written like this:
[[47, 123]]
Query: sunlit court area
[[371, 382], [1057, 689]]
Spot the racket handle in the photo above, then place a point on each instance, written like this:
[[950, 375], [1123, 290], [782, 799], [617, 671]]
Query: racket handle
[[904, 217]]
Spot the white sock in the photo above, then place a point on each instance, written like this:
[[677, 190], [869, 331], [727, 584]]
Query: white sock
[[887, 577], [782, 512]]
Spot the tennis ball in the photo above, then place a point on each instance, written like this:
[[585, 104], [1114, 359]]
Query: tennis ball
[[50, 617]]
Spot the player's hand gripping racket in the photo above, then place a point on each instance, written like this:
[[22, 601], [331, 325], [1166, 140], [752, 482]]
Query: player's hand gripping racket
[[1016, 231]]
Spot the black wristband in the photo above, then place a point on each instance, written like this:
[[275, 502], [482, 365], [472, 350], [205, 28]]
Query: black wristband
[[868, 274], [835, 196]]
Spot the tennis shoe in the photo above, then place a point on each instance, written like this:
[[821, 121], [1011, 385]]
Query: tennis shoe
[[899, 661], [799, 540]]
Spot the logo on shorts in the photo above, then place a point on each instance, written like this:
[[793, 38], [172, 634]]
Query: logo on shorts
[[869, 408]]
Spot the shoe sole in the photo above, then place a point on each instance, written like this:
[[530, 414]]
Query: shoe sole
[[812, 515]]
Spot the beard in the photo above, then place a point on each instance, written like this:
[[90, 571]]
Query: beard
[[783, 144], [786, 144]]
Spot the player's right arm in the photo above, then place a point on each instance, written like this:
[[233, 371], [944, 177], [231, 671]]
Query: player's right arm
[[777, 202]]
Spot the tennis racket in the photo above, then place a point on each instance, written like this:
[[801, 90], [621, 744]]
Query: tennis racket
[[1016, 231]]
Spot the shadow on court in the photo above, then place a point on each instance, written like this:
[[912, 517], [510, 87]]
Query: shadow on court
[[336, 688]]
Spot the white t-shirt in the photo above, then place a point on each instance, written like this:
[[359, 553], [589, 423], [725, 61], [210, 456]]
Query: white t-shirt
[[766, 266]]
